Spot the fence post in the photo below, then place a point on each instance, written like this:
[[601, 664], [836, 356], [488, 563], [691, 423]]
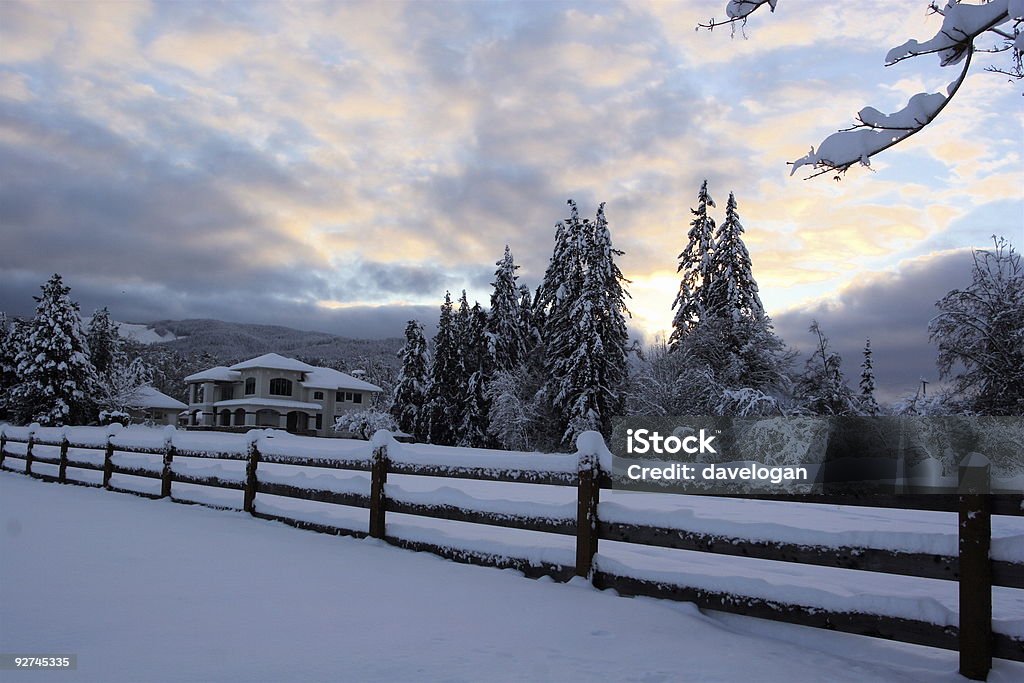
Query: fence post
[[167, 473], [28, 452], [3, 446], [108, 462], [249, 496], [975, 533], [378, 478], [62, 472], [588, 494]]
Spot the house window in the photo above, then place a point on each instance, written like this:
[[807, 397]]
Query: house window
[[227, 392], [339, 397], [250, 386], [279, 386], [198, 393], [319, 420], [318, 396], [357, 397]]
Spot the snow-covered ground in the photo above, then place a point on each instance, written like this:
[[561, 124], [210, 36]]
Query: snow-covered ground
[[152, 591]]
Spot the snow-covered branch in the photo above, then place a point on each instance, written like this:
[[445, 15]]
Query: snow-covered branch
[[954, 43]]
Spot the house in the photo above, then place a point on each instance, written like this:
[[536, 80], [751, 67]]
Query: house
[[149, 405], [274, 391]]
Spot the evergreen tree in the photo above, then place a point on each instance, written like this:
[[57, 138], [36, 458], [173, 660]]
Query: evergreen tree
[[473, 429], [443, 409], [609, 310], [732, 290], [586, 343], [696, 268], [54, 372], [529, 321], [869, 406], [106, 348], [822, 386], [8, 356], [505, 320], [566, 335], [410, 392]]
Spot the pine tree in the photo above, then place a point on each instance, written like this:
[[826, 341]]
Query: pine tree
[[696, 267], [54, 372], [585, 340], [822, 385], [443, 410], [410, 392], [568, 328], [106, 348], [610, 311], [473, 429], [732, 290], [8, 356], [868, 404], [505, 321]]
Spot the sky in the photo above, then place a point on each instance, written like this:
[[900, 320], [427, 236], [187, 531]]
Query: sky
[[338, 166]]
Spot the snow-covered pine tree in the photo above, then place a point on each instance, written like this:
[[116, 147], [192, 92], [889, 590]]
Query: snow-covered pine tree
[[55, 376], [868, 404], [609, 310], [411, 390], [530, 320], [732, 290], [106, 348], [505, 321], [822, 387], [695, 266], [566, 335], [443, 408], [473, 430], [8, 356]]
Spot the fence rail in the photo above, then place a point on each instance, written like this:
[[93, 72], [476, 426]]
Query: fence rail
[[971, 567]]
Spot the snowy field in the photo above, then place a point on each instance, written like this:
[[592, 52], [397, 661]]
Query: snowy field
[[153, 591]]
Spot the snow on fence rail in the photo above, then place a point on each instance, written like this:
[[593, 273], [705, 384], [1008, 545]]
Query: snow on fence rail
[[258, 464]]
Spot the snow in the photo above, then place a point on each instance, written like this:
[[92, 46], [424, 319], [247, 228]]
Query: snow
[[143, 334], [961, 22], [218, 373], [148, 397], [187, 593], [273, 361], [328, 378]]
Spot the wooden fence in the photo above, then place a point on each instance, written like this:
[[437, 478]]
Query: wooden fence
[[972, 567]]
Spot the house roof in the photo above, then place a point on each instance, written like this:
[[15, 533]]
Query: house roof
[[316, 377], [148, 397], [326, 378], [215, 374], [273, 361]]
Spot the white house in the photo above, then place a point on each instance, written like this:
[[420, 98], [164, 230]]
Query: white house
[[274, 391]]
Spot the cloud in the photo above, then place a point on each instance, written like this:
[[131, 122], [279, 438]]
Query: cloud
[[893, 310], [281, 158]]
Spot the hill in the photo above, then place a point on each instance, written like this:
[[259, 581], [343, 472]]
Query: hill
[[230, 342]]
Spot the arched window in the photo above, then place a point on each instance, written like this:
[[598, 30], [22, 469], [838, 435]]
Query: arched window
[[250, 386], [279, 386]]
